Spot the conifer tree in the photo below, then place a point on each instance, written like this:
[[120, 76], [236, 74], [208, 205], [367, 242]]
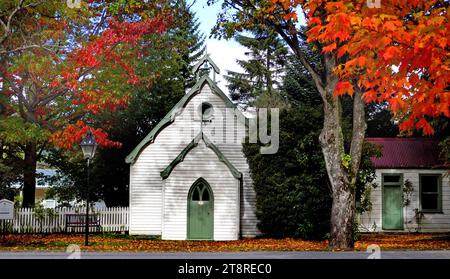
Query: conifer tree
[[189, 33], [262, 72]]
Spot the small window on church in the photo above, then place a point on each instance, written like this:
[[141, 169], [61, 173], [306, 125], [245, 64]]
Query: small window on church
[[206, 110]]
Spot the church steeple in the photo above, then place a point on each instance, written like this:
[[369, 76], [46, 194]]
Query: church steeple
[[204, 66]]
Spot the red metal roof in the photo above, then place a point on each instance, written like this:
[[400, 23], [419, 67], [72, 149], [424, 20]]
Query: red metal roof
[[407, 153]]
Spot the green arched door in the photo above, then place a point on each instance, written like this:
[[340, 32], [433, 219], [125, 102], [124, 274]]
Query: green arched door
[[200, 211]]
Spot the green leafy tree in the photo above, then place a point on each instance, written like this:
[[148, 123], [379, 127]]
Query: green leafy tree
[[9, 175], [380, 122], [61, 66]]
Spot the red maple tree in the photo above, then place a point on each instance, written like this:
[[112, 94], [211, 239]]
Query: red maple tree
[[397, 53], [62, 65]]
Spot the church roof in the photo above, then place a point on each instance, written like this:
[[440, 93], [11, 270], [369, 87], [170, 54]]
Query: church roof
[[201, 136], [204, 59], [176, 110]]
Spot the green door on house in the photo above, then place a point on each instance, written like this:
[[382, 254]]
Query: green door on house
[[200, 211], [392, 202]]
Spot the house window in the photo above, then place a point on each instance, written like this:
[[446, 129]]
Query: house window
[[392, 179], [430, 193]]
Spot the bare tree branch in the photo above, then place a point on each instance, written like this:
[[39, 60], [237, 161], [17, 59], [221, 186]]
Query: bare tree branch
[[358, 132], [7, 25], [295, 46], [27, 47]]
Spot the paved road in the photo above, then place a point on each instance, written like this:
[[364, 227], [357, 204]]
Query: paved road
[[231, 255]]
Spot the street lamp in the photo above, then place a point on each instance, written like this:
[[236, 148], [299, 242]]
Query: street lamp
[[88, 146]]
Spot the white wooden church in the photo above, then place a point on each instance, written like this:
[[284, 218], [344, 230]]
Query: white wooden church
[[189, 178]]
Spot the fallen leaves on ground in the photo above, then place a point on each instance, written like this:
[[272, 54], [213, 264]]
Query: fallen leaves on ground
[[405, 241], [59, 242]]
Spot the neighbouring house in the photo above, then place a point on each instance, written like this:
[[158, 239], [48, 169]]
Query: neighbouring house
[[189, 178], [41, 184], [413, 192]]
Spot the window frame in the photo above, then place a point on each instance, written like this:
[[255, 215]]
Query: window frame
[[439, 193], [399, 183], [206, 117]]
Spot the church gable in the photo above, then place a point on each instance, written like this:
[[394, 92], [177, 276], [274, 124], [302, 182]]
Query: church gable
[[194, 143], [200, 93]]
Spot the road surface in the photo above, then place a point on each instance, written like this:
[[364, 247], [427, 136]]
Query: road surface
[[228, 255]]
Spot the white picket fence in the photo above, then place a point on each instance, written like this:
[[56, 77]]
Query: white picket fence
[[112, 219]]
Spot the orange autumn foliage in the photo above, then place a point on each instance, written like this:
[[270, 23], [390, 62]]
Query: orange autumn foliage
[[74, 133], [97, 54], [398, 53]]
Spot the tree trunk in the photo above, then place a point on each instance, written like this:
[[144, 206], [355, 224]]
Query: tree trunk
[[29, 175], [342, 175], [343, 194]]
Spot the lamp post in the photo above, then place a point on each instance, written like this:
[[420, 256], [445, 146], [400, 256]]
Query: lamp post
[[88, 146]]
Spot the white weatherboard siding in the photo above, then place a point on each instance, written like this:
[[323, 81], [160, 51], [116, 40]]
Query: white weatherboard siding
[[431, 222], [146, 183], [248, 195], [230, 144], [201, 161]]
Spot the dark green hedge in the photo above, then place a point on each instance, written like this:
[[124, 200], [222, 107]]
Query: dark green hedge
[[293, 198]]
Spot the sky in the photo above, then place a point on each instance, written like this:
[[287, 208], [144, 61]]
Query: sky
[[223, 52]]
